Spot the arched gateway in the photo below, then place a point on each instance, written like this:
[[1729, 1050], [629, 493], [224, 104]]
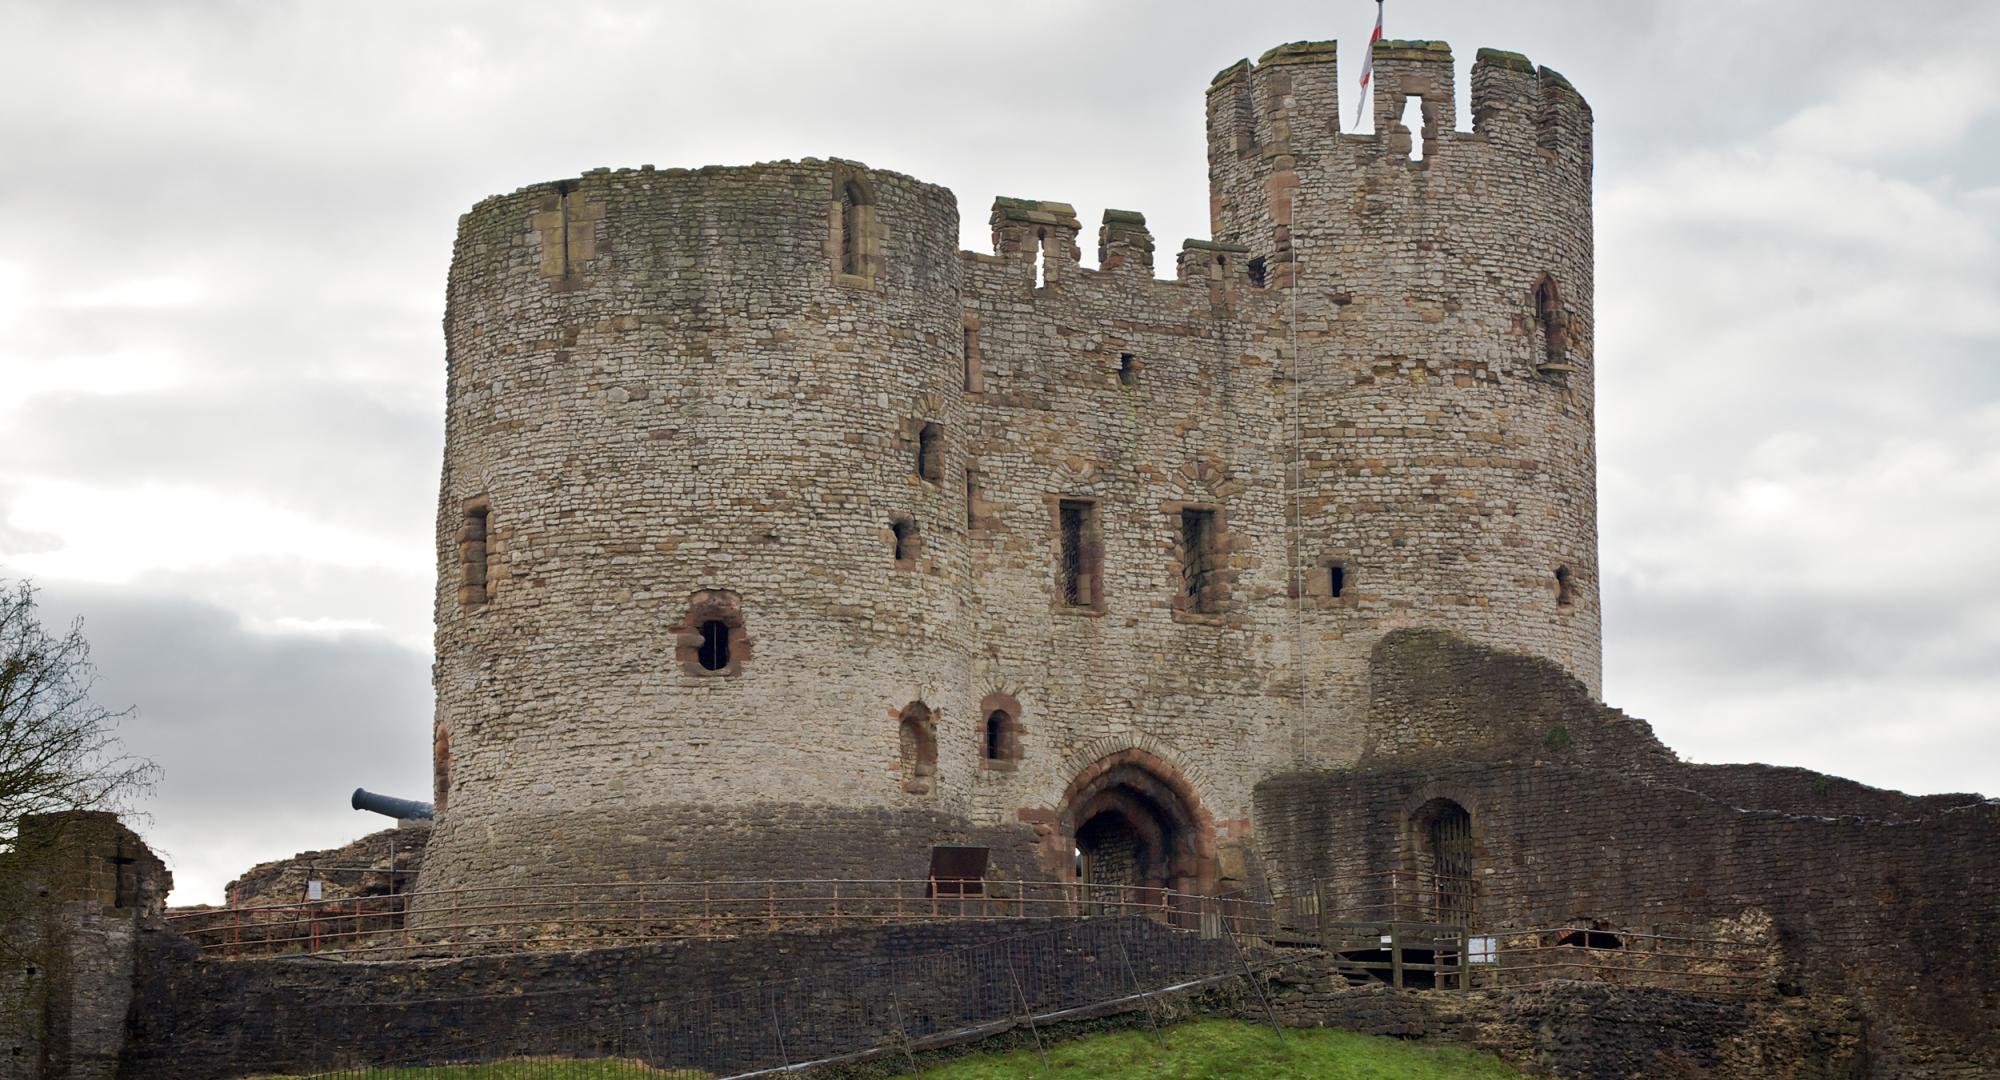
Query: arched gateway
[[1131, 818]]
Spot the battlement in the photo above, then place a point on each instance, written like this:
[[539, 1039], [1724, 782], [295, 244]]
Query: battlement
[[1291, 95]]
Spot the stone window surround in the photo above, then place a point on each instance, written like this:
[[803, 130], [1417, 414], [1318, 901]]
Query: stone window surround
[[1222, 577], [1010, 758], [711, 605], [1092, 555]]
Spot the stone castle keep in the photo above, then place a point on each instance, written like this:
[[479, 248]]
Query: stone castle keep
[[780, 537]]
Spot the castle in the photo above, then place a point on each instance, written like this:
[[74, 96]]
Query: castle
[[779, 537]]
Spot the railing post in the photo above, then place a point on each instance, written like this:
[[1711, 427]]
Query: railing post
[[1395, 956]]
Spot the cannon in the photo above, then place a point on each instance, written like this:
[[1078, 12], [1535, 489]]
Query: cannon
[[400, 809]]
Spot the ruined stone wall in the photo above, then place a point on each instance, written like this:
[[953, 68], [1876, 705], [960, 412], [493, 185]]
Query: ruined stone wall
[[675, 397], [79, 896], [1580, 818], [378, 864]]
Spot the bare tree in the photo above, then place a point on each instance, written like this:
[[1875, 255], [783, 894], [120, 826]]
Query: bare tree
[[59, 749]]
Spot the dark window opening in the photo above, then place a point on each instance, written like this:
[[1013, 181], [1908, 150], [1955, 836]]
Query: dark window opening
[[1198, 584], [1128, 370], [971, 500], [852, 228], [714, 652], [709, 640], [1591, 939], [1565, 596], [1336, 579], [905, 532], [1077, 565], [1257, 271], [999, 736], [930, 453], [957, 871]]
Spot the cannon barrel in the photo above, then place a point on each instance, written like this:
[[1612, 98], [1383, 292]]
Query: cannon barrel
[[401, 809]]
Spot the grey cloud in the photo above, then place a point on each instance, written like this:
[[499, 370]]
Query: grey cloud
[[259, 737]]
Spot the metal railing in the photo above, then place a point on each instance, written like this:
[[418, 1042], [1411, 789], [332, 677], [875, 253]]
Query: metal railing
[[1428, 955], [508, 918]]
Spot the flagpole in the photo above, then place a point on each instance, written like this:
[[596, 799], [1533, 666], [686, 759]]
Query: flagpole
[[1368, 67]]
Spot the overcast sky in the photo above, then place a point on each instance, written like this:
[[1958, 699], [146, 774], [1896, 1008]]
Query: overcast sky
[[227, 225]]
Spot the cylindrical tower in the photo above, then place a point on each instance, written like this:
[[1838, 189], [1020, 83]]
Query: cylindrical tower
[[700, 550], [1441, 333]]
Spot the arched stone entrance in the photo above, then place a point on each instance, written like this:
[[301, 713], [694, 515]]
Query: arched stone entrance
[[1444, 846], [1132, 819]]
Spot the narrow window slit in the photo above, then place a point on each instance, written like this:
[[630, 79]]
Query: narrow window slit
[[714, 652], [1198, 559]]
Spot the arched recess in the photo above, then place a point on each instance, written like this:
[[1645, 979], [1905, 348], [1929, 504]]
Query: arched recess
[[1551, 326], [1442, 833], [916, 745], [1131, 819]]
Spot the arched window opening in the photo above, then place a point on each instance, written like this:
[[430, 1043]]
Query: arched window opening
[[998, 736], [1549, 320], [711, 640], [917, 748], [930, 453], [1257, 272], [714, 652], [1445, 866], [853, 228], [1565, 595], [1128, 370], [903, 540], [1000, 733]]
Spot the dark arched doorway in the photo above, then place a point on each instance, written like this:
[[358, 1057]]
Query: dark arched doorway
[[1444, 856], [1133, 826]]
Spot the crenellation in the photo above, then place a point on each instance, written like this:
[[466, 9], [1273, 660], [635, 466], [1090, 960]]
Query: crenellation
[[1124, 242]]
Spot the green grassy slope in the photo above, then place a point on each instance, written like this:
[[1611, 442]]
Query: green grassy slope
[[1222, 1049], [1231, 1049]]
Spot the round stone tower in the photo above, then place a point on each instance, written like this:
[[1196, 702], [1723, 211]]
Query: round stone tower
[[682, 412], [1440, 301], [778, 538]]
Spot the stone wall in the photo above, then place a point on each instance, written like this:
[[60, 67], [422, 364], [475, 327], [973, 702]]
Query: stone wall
[[777, 403], [1580, 817], [722, 1004], [79, 893], [1594, 1031]]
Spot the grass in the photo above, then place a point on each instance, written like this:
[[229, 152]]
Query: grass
[[1205, 1049], [1229, 1048]]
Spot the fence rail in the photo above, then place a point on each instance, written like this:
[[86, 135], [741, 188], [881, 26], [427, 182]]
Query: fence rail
[[500, 919]]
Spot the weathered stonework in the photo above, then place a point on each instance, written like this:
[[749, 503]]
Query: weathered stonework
[[782, 384]]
